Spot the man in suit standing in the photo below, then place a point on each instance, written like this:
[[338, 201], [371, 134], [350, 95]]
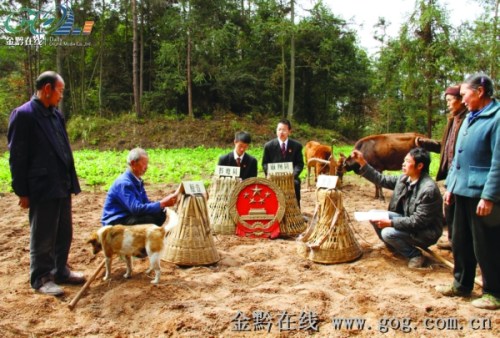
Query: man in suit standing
[[285, 149], [44, 177], [239, 157]]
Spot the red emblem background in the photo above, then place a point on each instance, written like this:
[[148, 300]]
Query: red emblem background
[[258, 208]]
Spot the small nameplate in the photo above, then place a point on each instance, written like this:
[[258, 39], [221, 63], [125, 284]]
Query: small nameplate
[[327, 181], [223, 170], [193, 187], [280, 168]]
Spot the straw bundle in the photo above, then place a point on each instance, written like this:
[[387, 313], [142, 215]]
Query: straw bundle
[[191, 242], [329, 239], [292, 223], [218, 204]]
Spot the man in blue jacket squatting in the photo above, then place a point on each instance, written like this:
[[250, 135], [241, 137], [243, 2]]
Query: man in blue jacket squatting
[[127, 202]]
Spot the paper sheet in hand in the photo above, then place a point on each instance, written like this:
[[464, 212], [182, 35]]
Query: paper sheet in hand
[[372, 215]]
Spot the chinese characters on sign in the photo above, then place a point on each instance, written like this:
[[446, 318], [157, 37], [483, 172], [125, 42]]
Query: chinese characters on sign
[[43, 41], [222, 170], [280, 168], [327, 181], [193, 187], [263, 321]]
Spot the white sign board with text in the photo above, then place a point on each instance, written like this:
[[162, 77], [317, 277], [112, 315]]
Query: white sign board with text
[[193, 187], [327, 181], [223, 170], [280, 168]]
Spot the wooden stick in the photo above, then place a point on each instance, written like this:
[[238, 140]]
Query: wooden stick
[[85, 286], [447, 263]]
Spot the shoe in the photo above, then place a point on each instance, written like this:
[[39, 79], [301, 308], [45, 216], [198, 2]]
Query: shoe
[[451, 291], [416, 262], [444, 245], [74, 278], [487, 302], [50, 288]]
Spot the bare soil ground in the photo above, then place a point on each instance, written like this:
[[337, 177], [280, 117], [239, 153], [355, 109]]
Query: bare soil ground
[[253, 276]]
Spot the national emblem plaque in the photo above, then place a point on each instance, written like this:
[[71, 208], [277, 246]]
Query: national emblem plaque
[[257, 206]]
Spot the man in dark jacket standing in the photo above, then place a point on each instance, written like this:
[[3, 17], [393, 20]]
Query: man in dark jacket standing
[[239, 156], [415, 210], [285, 149], [44, 177]]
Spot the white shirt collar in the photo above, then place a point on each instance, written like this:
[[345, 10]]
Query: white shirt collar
[[236, 155], [285, 142]]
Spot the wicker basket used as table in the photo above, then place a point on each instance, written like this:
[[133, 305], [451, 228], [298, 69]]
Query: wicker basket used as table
[[328, 238]]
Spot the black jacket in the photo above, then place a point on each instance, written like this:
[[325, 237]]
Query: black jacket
[[41, 160], [248, 167], [272, 154]]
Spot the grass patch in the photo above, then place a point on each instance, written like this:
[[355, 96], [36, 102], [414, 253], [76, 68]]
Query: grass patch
[[98, 169]]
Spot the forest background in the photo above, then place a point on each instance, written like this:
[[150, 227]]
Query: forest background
[[195, 60]]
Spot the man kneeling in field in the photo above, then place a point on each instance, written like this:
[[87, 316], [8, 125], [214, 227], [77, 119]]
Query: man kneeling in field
[[415, 210], [127, 202]]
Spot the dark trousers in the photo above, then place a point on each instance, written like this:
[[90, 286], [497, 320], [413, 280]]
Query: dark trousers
[[449, 210], [158, 219], [50, 239], [476, 240]]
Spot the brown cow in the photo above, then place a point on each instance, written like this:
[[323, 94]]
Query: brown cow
[[382, 152], [318, 157]]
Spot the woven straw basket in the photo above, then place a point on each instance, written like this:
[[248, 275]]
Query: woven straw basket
[[191, 242], [293, 222], [218, 204], [329, 239]]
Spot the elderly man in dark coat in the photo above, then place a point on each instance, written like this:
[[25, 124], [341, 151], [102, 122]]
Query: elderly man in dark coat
[[44, 177]]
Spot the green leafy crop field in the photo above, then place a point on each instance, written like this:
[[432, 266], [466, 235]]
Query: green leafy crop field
[[98, 169]]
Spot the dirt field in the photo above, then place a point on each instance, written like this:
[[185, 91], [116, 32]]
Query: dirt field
[[253, 277]]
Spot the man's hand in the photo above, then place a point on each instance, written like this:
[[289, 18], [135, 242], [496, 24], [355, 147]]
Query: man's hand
[[169, 200], [357, 156], [448, 198], [383, 223], [484, 207], [24, 202]]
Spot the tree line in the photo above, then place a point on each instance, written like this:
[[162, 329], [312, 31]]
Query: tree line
[[194, 58]]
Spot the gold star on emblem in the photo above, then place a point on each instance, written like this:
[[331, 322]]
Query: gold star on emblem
[[256, 190]]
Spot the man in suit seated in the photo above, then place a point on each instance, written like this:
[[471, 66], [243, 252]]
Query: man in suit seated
[[239, 158], [127, 202], [285, 149]]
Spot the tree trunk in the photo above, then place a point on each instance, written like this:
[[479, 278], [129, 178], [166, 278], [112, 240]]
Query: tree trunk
[[135, 60], [101, 57], [494, 46], [283, 80], [429, 113], [188, 65], [141, 60], [59, 57], [291, 94]]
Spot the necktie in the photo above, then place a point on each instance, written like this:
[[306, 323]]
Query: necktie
[[238, 161], [283, 149]]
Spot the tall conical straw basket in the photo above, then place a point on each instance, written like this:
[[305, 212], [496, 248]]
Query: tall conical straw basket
[[191, 242], [329, 239], [219, 196], [293, 222]]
